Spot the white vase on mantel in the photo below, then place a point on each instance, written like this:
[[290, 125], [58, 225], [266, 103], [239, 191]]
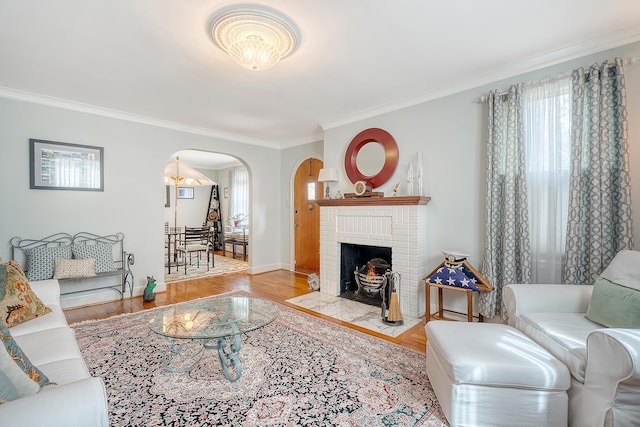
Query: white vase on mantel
[[410, 179], [419, 175]]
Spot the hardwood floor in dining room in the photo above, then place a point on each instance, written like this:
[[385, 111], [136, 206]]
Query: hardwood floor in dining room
[[278, 286]]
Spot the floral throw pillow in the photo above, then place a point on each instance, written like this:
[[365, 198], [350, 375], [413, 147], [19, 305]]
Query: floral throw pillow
[[18, 303]]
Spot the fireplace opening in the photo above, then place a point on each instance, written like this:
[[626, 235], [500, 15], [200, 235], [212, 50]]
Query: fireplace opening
[[355, 257]]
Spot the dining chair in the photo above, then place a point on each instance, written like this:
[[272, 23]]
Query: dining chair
[[172, 239], [195, 239]]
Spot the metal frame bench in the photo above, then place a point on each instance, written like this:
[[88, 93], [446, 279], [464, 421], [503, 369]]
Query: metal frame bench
[[122, 260]]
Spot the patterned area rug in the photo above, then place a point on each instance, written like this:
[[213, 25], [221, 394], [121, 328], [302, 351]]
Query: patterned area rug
[[298, 370], [223, 265]]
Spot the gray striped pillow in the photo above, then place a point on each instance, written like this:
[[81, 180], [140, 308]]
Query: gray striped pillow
[[41, 261], [101, 252]]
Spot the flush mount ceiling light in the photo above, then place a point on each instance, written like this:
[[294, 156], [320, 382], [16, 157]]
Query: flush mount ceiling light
[[253, 36]]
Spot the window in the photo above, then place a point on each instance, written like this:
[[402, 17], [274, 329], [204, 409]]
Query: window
[[239, 204], [311, 191], [547, 137]]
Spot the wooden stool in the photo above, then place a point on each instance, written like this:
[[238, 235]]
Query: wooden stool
[[439, 313]]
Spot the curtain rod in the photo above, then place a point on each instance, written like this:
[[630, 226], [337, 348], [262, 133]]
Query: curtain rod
[[628, 61]]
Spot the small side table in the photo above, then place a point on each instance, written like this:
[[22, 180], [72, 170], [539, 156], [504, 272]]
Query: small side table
[[439, 314], [237, 242], [454, 273]]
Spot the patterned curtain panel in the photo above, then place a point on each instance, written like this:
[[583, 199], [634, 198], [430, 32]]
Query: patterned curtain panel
[[599, 219], [507, 255]]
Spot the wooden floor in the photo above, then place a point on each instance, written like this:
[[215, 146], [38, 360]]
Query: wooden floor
[[277, 286]]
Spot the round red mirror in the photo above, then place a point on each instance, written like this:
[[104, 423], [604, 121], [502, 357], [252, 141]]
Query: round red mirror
[[372, 156]]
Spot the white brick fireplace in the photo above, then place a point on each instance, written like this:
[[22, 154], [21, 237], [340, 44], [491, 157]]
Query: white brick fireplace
[[399, 223]]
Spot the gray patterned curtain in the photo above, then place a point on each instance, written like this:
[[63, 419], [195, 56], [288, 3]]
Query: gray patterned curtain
[[599, 220], [507, 255]]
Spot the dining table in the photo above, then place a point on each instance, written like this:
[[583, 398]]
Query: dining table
[[172, 237]]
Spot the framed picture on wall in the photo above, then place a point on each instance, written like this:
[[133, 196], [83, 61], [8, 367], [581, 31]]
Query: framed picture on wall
[[185, 193], [226, 192], [63, 166], [167, 198]]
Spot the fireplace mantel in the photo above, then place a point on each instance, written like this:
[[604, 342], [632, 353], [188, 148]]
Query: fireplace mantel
[[375, 201], [399, 223]]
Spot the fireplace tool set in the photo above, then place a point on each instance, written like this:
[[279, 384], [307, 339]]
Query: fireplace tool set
[[375, 278], [391, 298]]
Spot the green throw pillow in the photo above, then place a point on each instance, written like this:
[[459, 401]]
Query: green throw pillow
[[613, 305]]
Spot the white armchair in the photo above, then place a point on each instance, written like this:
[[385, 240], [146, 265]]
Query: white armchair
[[604, 362]]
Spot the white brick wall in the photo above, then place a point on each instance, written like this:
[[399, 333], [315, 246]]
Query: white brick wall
[[402, 228]]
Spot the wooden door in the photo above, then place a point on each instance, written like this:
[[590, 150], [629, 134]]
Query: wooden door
[[306, 216]]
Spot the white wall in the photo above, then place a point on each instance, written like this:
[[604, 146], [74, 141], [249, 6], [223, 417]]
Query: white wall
[[191, 212], [451, 133], [134, 157]]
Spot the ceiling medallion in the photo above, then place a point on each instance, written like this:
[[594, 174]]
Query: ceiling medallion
[[255, 37]]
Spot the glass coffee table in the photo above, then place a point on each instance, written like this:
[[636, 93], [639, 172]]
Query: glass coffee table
[[210, 324]]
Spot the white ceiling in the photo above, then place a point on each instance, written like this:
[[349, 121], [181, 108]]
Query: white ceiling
[[153, 60]]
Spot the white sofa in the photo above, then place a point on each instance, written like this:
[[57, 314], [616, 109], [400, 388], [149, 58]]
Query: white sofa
[[78, 399], [604, 362]]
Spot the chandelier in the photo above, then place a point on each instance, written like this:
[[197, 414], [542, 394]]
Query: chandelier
[[254, 37]]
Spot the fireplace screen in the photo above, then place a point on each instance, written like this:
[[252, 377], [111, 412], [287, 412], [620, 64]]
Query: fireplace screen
[[371, 278]]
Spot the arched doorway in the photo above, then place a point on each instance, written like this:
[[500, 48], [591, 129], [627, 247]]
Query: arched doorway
[[194, 208]]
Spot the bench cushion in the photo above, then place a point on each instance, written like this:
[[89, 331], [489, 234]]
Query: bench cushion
[[562, 334], [49, 346], [21, 358]]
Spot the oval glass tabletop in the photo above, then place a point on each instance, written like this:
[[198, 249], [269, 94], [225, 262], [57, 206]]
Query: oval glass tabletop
[[213, 317]]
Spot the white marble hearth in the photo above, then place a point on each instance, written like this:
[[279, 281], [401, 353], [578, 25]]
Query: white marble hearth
[[356, 313], [399, 223]]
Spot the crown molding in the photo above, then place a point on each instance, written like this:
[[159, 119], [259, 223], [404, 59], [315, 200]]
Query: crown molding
[[35, 98], [553, 57], [533, 63]]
